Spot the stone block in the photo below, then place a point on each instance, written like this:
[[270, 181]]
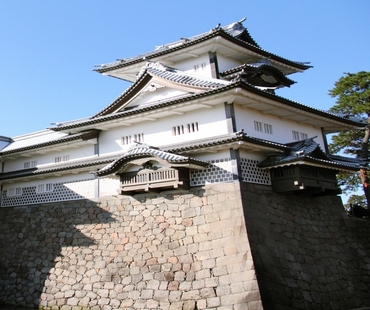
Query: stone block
[[190, 295], [161, 295], [176, 305], [213, 302], [201, 304]]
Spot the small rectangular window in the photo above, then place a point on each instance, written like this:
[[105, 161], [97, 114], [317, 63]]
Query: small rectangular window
[[139, 137], [30, 164], [299, 135], [11, 192], [178, 130], [268, 128], [59, 159], [193, 127], [126, 140], [257, 126], [43, 188], [295, 135], [40, 188]]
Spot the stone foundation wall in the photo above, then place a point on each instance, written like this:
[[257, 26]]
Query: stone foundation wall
[[308, 253], [198, 249], [173, 250]]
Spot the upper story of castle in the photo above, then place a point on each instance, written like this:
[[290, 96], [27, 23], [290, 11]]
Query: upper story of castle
[[189, 96]]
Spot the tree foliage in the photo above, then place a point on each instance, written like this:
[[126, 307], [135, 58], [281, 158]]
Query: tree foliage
[[352, 92], [356, 200]]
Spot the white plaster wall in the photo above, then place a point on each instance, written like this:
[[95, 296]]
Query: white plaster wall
[[223, 154], [252, 155], [160, 94], [226, 63], [82, 151], [109, 186], [281, 129], [211, 122], [188, 66]]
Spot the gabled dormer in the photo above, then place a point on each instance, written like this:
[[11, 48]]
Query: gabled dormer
[[156, 83], [261, 74], [144, 168]]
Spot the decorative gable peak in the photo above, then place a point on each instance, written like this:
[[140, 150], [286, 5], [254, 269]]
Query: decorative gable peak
[[237, 30], [261, 74]]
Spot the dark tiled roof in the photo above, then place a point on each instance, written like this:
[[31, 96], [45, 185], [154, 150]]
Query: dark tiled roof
[[85, 135], [263, 66], [234, 32], [143, 151], [65, 166], [220, 140], [154, 69], [308, 151], [176, 76], [190, 97]]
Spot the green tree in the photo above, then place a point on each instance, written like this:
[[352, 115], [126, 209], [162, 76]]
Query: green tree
[[352, 92], [356, 200]]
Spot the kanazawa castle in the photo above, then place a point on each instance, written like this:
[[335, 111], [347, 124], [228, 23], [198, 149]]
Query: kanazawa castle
[[204, 109]]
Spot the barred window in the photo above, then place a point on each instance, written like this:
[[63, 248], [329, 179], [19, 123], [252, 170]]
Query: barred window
[[11, 192], [43, 188], [268, 128], [30, 164], [299, 135], [193, 127], [178, 130]]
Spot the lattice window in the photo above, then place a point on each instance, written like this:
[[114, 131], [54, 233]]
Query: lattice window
[[219, 170], [251, 173]]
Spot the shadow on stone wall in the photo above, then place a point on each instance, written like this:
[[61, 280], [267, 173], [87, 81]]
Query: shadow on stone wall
[[31, 241], [308, 254]]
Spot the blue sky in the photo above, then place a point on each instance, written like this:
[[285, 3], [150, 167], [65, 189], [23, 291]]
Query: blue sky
[[48, 49]]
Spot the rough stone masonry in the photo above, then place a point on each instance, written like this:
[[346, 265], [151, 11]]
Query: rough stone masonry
[[173, 250]]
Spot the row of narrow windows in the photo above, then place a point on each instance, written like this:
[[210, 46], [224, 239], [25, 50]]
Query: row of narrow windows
[[126, 140], [176, 131], [267, 128], [41, 188], [57, 159], [183, 129]]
